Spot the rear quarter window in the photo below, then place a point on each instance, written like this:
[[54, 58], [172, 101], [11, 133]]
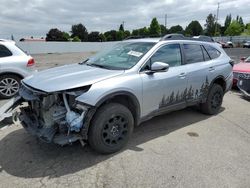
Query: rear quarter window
[[4, 52], [193, 53], [213, 53]]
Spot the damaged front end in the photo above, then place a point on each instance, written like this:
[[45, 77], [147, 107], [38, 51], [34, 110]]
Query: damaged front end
[[54, 117], [244, 84]]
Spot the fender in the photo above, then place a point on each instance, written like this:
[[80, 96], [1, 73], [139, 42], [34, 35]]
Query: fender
[[123, 93]]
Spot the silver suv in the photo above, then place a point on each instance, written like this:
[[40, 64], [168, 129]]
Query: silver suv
[[101, 99]]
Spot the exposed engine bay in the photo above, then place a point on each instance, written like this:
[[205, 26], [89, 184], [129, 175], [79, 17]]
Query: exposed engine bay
[[53, 118]]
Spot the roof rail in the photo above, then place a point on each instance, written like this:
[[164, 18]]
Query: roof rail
[[141, 37], [173, 36], [176, 36]]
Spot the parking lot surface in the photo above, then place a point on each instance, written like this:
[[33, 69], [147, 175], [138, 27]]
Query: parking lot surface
[[180, 149]]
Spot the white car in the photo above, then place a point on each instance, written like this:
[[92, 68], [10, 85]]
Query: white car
[[14, 66]]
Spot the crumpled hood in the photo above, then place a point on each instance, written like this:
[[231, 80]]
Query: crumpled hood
[[68, 77]]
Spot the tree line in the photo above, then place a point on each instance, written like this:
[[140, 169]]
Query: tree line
[[79, 32]]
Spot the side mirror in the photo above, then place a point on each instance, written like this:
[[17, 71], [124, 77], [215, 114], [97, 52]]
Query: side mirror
[[159, 67]]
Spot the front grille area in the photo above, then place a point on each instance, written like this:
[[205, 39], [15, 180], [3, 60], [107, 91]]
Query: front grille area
[[239, 75]]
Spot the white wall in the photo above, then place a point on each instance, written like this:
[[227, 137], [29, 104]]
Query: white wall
[[63, 47]]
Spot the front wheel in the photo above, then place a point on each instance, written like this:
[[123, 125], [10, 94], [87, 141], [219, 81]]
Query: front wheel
[[111, 128], [214, 100]]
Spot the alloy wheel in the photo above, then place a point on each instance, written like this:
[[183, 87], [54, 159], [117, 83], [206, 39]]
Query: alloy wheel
[[115, 130], [9, 87]]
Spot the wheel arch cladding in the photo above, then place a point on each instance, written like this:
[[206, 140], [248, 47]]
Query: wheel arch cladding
[[125, 98], [220, 80]]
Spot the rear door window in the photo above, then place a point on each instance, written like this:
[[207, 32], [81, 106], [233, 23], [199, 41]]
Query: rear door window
[[193, 53], [213, 53], [4, 52]]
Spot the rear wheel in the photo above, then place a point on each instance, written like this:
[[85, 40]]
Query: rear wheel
[[9, 85], [111, 128], [214, 100]]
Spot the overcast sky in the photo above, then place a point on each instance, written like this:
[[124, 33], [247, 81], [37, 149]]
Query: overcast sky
[[36, 17]]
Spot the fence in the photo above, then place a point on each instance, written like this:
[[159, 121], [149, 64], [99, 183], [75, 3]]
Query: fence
[[237, 40], [63, 47]]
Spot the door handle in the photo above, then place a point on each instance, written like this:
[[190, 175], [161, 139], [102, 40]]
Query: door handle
[[211, 69], [182, 75]]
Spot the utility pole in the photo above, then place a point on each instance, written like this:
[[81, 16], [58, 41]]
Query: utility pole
[[217, 18], [166, 20]]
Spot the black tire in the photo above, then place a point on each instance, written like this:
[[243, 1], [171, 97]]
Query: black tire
[[214, 100], [111, 128], [16, 85]]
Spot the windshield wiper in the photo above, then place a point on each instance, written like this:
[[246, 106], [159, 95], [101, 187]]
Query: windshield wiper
[[97, 65], [83, 62]]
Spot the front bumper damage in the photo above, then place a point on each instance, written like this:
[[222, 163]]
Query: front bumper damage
[[244, 85], [54, 117]]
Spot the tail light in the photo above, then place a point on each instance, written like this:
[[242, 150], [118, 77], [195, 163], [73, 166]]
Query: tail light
[[31, 62]]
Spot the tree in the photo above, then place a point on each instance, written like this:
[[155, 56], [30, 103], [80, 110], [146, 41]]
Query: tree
[[80, 31], [155, 28], [164, 30], [102, 37], [210, 25], [176, 29], [228, 21], [120, 35], [234, 29], [76, 39], [55, 35], [94, 36], [110, 35], [194, 28], [66, 36], [121, 28], [126, 34], [141, 32]]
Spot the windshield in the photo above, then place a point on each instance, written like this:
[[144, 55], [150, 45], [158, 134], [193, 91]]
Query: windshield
[[122, 56]]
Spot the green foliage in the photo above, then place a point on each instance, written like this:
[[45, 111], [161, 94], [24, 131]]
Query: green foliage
[[141, 32], [155, 28], [102, 37], [55, 35], [210, 25], [80, 31], [121, 28], [176, 29], [228, 21], [194, 29], [120, 35], [66, 36], [126, 34], [94, 36], [234, 29], [76, 39], [110, 35], [247, 30], [164, 30]]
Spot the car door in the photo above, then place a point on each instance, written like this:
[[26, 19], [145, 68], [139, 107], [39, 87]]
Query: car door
[[164, 90], [199, 69]]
